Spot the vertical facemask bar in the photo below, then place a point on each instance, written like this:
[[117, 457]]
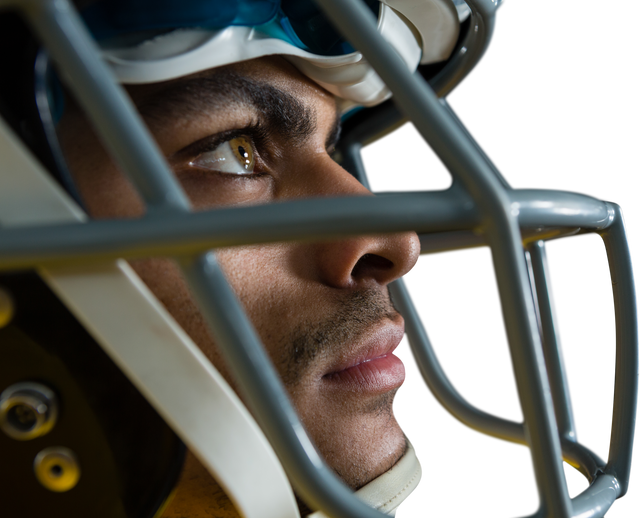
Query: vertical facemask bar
[[555, 353], [614, 482], [626, 384], [555, 356], [460, 156]]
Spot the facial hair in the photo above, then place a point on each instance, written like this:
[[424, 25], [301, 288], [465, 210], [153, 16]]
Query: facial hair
[[352, 316]]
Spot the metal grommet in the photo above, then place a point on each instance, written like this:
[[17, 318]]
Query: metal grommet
[[27, 410], [57, 469], [6, 307]]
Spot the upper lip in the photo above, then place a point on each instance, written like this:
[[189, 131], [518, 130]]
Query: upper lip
[[379, 342]]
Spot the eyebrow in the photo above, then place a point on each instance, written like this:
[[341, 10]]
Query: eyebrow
[[191, 97]]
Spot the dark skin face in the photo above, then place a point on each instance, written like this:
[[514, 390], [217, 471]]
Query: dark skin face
[[251, 133]]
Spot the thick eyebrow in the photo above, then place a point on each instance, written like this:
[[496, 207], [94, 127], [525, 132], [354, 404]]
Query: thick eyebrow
[[192, 97]]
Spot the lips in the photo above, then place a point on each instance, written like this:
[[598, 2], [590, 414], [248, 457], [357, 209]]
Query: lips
[[371, 367]]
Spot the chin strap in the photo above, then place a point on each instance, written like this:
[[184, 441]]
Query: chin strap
[[390, 489]]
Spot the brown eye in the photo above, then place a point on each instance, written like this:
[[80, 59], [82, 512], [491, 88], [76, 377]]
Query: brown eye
[[235, 156]]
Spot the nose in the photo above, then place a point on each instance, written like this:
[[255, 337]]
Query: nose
[[367, 261], [362, 261]]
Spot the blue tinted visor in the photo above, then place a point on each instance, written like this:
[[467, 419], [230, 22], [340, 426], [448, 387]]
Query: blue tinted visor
[[299, 22]]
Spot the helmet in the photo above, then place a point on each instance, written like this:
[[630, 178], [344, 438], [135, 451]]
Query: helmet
[[100, 382]]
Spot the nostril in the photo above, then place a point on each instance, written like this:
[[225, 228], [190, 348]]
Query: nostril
[[369, 265]]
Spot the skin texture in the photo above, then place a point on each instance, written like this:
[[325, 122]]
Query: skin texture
[[315, 306]]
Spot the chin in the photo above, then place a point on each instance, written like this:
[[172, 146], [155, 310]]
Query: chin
[[376, 443], [377, 461]]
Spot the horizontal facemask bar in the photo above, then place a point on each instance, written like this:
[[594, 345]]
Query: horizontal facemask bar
[[444, 220], [501, 230]]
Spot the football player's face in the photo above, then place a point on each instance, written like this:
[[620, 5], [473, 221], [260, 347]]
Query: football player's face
[[259, 132]]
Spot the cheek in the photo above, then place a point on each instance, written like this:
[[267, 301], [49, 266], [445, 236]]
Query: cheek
[[270, 290], [108, 194], [263, 281]]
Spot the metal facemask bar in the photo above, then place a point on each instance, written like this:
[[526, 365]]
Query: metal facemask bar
[[479, 203]]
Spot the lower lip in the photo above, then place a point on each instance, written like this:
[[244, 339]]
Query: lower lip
[[378, 375]]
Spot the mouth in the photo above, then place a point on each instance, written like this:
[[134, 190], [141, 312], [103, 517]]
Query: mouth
[[371, 367]]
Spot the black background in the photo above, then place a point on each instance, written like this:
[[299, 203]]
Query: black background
[[549, 104]]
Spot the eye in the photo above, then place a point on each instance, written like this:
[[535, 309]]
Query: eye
[[235, 156]]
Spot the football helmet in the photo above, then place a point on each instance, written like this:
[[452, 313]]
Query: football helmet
[[101, 390]]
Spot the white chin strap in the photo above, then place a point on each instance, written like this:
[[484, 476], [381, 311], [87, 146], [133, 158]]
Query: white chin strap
[[390, 489]]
